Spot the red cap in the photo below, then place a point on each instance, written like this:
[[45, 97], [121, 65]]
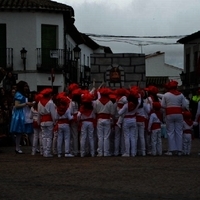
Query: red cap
[[121, 92], [172, 84], [87, 97], [152, 89], [46, 91], [77, 91], [73, 86], [134, 91], [105, 91]]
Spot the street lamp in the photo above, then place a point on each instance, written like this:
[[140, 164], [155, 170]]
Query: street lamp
[[23, 57], [77, 52], [87, 75], [183, 77]]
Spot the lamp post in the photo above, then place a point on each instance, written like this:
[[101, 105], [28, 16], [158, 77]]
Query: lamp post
[[87, 75], [182, 76], [23, 57], [77, 52]]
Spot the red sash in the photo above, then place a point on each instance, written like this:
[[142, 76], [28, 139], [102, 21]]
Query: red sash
[[46, 118], [187, 131], [63, 121], [173, 110], [129, 116], [140, 118], [103, 116], [155, 126]]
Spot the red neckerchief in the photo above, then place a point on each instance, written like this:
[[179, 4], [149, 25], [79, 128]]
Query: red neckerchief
[[131, 106], [189, 122], [44, 101], [104, 100], [84, 111], [62, 109], [174, 91]]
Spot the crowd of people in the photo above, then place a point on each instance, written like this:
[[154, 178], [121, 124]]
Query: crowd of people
[[99, 122], [102, 122]]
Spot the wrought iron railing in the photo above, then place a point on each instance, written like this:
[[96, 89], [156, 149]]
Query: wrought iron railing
[[50, 58]]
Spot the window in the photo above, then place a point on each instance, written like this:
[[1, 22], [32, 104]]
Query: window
[[49, 43]]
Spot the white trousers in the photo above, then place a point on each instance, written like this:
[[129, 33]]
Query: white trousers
[[47, 135], [119, 144], [37, 140], [156, 142], [129, 130], [74, 138], [187, 143], [140, 138], [103, 133], [174, 128], [87, 131], [63, 137]]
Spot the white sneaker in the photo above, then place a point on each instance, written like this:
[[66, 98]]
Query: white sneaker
[[19, 151], [69, 155], [33, 153], [59, 155], [179, 153], [125, 155], [169, 153], [48, 155]]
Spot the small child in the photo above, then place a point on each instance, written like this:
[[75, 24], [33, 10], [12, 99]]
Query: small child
[[86, 117], [187, 132], [154, 126], [37, 132], [121, 100], [63, 119]]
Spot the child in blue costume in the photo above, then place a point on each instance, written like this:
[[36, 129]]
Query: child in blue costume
[[18, 126]]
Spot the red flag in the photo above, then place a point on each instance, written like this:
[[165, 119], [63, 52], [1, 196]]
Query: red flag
[[52, 75]]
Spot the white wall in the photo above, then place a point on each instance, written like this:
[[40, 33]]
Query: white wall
[[24, 30], [156, 66], [188, 48]]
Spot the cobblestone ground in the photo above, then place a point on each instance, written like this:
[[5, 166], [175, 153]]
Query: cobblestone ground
[[34, 177]]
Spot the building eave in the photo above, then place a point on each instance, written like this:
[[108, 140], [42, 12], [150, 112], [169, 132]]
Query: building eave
[[35, 5], [189, 38]]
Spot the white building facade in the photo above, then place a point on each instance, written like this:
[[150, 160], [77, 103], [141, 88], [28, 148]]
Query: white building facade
[[156, 67], [39, 29]]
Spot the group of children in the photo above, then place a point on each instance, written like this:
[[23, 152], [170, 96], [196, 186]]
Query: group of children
[[102, 122]]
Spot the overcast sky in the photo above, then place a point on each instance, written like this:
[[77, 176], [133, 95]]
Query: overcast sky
[[139, 18]]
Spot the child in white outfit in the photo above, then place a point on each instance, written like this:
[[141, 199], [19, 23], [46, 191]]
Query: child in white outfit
[[187, 132], [63, 119], [154, 126], [37, 135]]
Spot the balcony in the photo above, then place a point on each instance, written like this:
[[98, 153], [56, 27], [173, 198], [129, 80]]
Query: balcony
[[50, 58], [6, 58]]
